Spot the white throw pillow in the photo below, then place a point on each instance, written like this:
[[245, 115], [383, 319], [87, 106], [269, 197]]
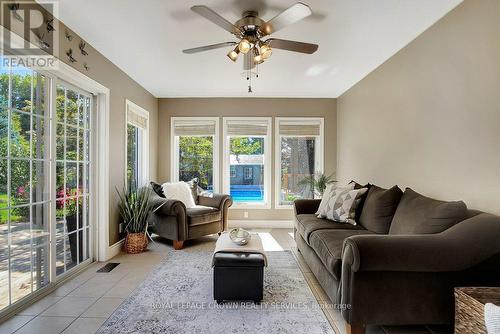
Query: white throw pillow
[[492, 318], [179, 191], [330, 188]]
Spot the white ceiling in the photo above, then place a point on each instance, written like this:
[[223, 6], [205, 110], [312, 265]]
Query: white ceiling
[[145, 39]]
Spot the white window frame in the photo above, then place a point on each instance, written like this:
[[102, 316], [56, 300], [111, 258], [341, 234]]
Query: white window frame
[[143, 143], [319, 153], [174, 149], [266, 204]]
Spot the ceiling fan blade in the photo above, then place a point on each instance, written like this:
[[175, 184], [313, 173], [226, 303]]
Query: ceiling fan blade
[[212, 16], [248, 63], [294, 46], [289, 16], [209, 47]]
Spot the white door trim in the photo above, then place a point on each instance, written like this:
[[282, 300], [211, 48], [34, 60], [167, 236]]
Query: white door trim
[[101, 162]]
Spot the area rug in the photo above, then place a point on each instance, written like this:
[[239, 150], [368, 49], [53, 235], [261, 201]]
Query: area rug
[[177, 297]]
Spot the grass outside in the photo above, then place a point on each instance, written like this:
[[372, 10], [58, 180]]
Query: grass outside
[[4, 214]]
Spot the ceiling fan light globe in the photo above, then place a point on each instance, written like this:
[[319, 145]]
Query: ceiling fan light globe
[[266, 51], [244, 46], [258, 59], [232, 55]]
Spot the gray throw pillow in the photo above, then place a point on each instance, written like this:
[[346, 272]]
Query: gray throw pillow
[[417, 214], [331, 190], [341, 205], [379, 208], [193, 186]]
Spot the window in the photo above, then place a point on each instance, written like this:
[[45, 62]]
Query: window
[[137, 157], [195, 150], [248, 173], [299, 149], [247, 151]]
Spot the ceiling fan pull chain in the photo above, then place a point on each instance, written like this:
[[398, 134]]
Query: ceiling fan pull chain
[[249, 74], [250, 81]]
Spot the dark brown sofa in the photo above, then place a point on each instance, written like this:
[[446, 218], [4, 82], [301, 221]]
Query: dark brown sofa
[[172, 220], [405, 275]]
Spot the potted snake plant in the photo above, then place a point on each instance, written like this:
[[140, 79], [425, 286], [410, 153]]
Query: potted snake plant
[[134, 207]]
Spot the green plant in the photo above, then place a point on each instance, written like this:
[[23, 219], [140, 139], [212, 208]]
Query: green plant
[[134, 207], [317, 182]]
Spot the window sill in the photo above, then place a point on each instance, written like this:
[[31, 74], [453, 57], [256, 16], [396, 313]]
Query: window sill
[[252, 206], [284, 207]]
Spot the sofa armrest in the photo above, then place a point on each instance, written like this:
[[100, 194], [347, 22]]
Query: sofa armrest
[[461, 247], [304, 206]]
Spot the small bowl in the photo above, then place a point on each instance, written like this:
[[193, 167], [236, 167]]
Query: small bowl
[[239, 236]]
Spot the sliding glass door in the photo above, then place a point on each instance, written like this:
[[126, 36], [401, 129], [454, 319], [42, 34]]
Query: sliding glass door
[[24, 183], [45, 169], [72, 230]]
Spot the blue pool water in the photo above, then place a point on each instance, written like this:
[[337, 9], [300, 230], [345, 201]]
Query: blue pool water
[[247, 193]]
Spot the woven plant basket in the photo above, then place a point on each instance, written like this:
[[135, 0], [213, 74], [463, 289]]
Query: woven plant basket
[[469, 308], [135, 243]]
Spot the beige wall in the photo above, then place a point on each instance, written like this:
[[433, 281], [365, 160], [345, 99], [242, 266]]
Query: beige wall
[[429, 118], [246, 107], [121, 87]]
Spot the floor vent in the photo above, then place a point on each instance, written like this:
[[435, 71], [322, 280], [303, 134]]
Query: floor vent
[[108, 267]]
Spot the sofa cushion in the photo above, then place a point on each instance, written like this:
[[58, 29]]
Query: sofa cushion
[[379, 208], [200, 215], [417, 214], [308, 223], [327, 244]]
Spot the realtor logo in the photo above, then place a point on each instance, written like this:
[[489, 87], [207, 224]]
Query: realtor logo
[[30, 35]]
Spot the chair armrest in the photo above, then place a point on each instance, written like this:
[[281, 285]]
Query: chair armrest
[[166, 207], [304, 206], [218, 201], [168, 218], [461, 247], [214, 200]]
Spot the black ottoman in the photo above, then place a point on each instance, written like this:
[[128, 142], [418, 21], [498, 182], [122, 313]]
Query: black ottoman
[[238, 276]]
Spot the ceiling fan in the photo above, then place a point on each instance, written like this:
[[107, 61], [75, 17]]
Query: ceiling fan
[[250, 31]]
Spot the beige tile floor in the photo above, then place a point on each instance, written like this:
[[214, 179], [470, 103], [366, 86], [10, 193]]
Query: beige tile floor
[[82, 304]]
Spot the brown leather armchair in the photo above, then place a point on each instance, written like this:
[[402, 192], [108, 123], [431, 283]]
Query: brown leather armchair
[[172, 220]]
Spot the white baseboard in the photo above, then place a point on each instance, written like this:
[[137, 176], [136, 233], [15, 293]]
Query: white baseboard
[[114, 250], [260, 223]]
